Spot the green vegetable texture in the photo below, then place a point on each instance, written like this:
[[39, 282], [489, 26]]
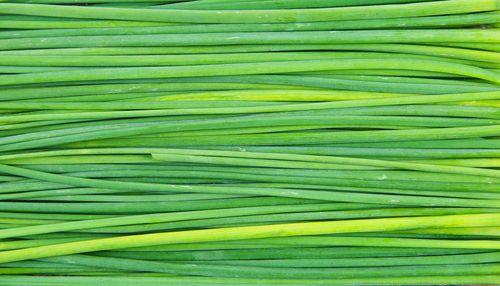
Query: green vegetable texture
[[245, 142]]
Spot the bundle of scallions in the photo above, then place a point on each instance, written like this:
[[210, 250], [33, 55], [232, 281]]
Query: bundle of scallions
[[249, 142]]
